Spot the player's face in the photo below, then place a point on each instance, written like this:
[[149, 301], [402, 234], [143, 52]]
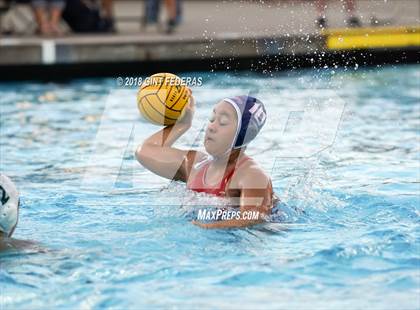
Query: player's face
[[221, 129]]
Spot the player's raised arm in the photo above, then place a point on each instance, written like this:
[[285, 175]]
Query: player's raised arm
[[157, 154]]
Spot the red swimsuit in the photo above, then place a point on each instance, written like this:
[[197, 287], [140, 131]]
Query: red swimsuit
[[198, 184]]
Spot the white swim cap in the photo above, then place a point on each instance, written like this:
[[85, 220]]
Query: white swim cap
[[9, 207]]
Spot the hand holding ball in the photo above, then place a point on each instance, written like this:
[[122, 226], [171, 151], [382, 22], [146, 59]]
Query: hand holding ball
[[162, 98]]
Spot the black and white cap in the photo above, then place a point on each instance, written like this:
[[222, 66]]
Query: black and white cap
[[9, 208]]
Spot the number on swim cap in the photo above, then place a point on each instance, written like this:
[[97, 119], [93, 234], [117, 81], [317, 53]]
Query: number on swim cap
[[4, 197]]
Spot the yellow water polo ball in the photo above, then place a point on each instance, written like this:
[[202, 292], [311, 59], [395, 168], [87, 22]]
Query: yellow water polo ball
[[161, 98]]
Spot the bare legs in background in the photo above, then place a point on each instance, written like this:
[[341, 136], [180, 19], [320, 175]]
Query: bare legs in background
[[171, 9], [152, 12], [48, 16], [350, 7], [108, 13]]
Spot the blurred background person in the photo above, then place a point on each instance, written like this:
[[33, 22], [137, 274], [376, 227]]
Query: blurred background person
[[48, 16], [152, 11], [350, 7], [171, 11], [87, 16], [107, 7]]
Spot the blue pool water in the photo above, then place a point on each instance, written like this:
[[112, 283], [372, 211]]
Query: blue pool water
[[110, 234]]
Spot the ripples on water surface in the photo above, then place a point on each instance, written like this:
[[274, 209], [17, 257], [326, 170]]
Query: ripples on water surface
[[346, 236]]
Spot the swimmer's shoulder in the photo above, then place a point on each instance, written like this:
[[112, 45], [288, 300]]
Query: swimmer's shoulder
[[250, 175], [252, 179]]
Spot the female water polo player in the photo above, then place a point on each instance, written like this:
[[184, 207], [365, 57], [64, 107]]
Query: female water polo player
[[226, 170]]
